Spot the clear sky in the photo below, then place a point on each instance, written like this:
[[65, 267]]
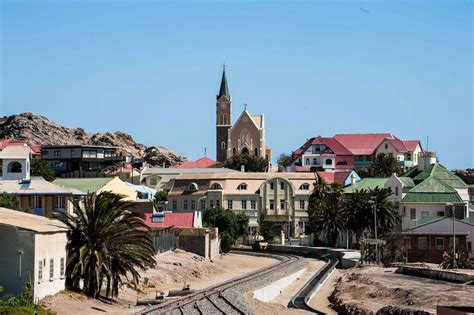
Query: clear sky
[[152, 69]]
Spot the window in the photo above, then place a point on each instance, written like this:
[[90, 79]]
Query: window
[[211, 204], [282, 185], [425, 214], [203, 204], [193, 204], [304, 186], [272, 187], [192, 187], [174, 204], [440, 243], [44, 152], [216, 186], [302, 204], [62, 267], [36, 202], [57, 153], [223, 145], [407, 242], [328, 162], [244, 204], [307, 161], [440, 214], [469, 246], [242, 186], [185, 204], [218, 203], [91, 154], [253, 204], [153, 181], [412, 214], [256, 151], [109, 153], [229, 204], [14, 167], [341, 163], [272, 204], [234, 151], [386, 146], [40, 270], [59, 202], [396, 190], [422, 243], [282, 204], [315, 161], [51, 268], [72, 152]]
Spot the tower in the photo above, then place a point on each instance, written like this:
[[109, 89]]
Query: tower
[[223, 118]]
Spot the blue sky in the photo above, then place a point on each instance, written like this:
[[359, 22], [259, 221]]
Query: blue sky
[[152, 69]]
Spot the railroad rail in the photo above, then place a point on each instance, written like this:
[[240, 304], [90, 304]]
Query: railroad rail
[[213, 300]]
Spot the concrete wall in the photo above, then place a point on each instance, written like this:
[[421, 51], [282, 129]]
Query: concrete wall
[[271, 291], [47, 247], [438, 274], [25, 169], [13, 273]]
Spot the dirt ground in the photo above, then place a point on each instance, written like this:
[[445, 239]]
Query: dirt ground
[[279, 304], [371, 288], [174, 270]]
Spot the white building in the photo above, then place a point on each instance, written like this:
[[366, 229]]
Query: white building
[[15, 162], [32, 248]]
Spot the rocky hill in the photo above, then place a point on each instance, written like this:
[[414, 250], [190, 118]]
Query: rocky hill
[[39, 130]]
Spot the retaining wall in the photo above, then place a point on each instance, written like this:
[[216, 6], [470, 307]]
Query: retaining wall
[[437, 274], [271, 291]]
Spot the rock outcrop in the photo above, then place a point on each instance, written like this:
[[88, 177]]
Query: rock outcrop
[[39, 130]]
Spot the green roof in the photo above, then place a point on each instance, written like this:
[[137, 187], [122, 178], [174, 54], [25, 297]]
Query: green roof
[[432, 197], [438, 171], [366, 183], [411, 224], [87, 185], [407, 182], [432, 185]]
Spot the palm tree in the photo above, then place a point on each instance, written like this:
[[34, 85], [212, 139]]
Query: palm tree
[[40, 167], [384, 166], [106, 242]]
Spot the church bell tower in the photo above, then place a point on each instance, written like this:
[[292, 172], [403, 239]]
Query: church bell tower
[[223, 119]]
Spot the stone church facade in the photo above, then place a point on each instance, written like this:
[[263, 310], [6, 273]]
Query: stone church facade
[[245, 136]]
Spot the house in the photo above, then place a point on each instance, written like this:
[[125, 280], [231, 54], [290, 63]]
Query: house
[[204, 162], [245, 136], [443, 226], [15, 162], [160, 178], [280, 198], [33, 248], [35, 149], [344, 152], [98, 185], [80, 160]]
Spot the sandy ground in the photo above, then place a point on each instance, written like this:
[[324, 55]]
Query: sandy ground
[[320, 301], [172, 272], [279, 304], [371, 288]]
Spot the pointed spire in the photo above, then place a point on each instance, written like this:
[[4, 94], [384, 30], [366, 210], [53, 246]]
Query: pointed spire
[[224, 90]]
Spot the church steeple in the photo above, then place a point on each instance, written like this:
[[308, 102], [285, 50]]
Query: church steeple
[[224, 90]]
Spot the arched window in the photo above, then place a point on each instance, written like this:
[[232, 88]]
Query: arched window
[[244, 137], [242, 186], [328, 162], [234, 151], [256, 151], [223, 145], [14, 167], [245, 151], [304, 186], [216, 186], [225, 119], [192, 187]]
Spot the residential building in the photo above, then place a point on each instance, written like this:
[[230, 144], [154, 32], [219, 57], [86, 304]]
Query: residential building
[[33, 248], [443, 226], [98, 185], [79, 160], [204, 162], [15, 162], [245, 136], [35, 149], [344, 152], [160, 178], [281, 198]]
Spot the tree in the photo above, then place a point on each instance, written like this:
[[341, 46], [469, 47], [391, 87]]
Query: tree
[[251, 163], [106, 243], [283, 161], [325, 211], [267, 230], [10, 201], [384, 166], [231, 225], [160, 196], [40, 167]]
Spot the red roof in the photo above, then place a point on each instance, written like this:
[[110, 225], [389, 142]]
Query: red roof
[[334, 177], [201, 163], [36, 149], [331, 143], [411, 144], [362, 144], [172, 219]]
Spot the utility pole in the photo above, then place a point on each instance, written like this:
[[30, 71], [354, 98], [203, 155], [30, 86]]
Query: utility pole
[[373, 201], [455, 264]]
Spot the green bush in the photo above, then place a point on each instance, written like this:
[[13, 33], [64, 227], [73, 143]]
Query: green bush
[[226, 242]]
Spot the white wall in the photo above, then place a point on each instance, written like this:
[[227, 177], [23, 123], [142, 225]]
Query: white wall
[[49, 246], [25, 164], [431, 208]]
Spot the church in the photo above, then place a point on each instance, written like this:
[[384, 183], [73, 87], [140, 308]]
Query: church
[[245, 136]]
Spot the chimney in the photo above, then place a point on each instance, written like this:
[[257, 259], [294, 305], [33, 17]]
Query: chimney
[[242, 168], [353, 179]]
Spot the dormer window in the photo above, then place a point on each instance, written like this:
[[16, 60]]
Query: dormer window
[[304, 186], [192, 187], [216, 186], [242, 186]]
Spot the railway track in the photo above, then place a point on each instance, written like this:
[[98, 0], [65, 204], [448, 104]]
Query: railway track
[[213, 300]]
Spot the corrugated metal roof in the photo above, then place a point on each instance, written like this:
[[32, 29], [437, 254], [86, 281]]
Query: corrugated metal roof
[[30, 222], [36, 185], [366, 183], [431, 197], [86, 185], [171, 219]]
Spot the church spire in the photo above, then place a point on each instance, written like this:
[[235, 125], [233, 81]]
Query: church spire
[[224, 90]]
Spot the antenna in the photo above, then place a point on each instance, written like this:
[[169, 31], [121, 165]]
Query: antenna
[[205, 152], [427, 143]]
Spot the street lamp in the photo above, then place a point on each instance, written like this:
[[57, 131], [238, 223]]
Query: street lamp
[[454, 233], [373, 202]]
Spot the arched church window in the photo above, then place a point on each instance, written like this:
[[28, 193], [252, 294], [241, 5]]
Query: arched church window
[[14, 167], [225, 119], [234, 151], [223, 145], [244, 137], [245, 151], [256, 151]]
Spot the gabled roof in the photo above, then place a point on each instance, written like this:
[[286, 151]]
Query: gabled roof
[[407, 182], [411, 145], [86, 185], [331, 143], [36, 149], [204, 162], [415, 224], [366, 183], [432, 190], [30, 222], [437, 171], [334, 177], [36, 185], [367, 143], [15, 152]]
